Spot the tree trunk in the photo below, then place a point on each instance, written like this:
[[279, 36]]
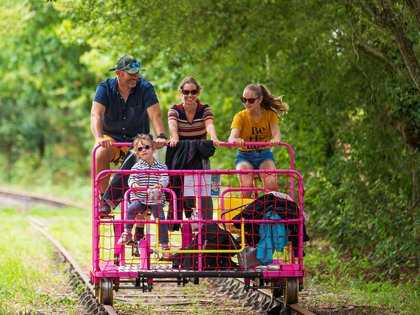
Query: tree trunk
[[9, 160], [414, 6], [388, 20]]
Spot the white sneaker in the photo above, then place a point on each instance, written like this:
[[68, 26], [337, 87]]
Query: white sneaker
[[125, 238]]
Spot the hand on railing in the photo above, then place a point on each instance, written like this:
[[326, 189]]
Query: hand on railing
[[173, 141], [237, 142], [105, 142]]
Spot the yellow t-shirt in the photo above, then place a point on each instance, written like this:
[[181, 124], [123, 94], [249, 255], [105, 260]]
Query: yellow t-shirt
[[250, 130]]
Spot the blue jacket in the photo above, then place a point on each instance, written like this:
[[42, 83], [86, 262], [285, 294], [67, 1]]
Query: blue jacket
[[272, 237]]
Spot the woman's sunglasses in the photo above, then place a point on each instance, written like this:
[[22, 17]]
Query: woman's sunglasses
[[188, 92], [248, 100], [146, 147]]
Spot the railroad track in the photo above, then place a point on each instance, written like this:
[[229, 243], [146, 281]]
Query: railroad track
[[78, 279], [216, 295], [27, 200]]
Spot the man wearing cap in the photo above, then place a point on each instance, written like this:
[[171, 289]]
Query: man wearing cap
[[121, 109]]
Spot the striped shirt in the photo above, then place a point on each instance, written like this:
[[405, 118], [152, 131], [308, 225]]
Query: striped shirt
[[191, 130], [148, 181]]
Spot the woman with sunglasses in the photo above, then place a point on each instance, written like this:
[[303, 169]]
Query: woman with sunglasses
[[258, 122], [192, 120]]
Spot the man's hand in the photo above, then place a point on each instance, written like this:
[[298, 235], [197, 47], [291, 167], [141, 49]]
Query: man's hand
[[160, 142], [155, 117], [105, 141]]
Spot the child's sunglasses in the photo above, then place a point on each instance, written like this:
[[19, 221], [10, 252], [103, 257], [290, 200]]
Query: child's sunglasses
[[146, 147]]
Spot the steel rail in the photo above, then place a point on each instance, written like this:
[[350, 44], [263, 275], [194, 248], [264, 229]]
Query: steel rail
[[79, 279], [300, 310], [33, 198], [260, 300]]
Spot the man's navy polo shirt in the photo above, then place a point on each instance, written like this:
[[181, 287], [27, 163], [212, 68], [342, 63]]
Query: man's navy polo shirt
[[124, 120]]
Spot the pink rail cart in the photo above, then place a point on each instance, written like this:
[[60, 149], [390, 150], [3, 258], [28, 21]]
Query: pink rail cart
[[216, 229]]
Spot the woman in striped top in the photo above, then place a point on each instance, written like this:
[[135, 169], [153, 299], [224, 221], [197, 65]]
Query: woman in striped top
[[190, 120], [152, 198], [193, 120]]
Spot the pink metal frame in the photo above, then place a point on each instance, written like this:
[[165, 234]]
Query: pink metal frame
[[111, 271]]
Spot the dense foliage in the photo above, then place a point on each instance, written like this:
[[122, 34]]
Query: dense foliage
[[348, 69]]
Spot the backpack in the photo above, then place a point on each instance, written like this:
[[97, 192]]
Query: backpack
[[215, 238], [283, 207]]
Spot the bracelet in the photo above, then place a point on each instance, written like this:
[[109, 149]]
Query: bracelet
[[162, 135]]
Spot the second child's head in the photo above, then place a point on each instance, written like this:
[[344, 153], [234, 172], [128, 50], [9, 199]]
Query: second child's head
[[143, 147]]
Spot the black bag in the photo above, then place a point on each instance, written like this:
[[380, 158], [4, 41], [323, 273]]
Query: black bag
[[213, 237]]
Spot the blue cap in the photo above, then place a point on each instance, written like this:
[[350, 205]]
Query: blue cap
[[128, 64]]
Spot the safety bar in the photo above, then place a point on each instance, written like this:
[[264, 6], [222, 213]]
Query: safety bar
[[140, 189]]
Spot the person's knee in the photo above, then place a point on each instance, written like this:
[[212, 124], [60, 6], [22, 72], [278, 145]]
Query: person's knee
[[246, 180], [270, 182], [104, 155], [269, 179], [244, 165]]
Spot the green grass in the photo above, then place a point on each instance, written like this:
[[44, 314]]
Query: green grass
[[72, 228], [346, 282], [30, 279]]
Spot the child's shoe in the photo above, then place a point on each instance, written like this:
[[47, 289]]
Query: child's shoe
[[104, 209], [125, 238]]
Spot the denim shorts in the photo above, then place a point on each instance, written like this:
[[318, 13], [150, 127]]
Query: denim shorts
[[255, 158]]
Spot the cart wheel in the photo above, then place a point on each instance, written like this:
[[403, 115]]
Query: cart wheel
[[278, 289], [291, 291], [105, 295], [97, 291], [116, 284]]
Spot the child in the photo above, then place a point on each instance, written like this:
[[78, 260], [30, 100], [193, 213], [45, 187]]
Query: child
[[258, 122], [153, 198]]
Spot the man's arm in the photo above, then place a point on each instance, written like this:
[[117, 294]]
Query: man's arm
[[97, 113], [155, 116]]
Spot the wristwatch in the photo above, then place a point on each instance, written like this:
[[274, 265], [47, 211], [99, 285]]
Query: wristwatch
[[162, 135]]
